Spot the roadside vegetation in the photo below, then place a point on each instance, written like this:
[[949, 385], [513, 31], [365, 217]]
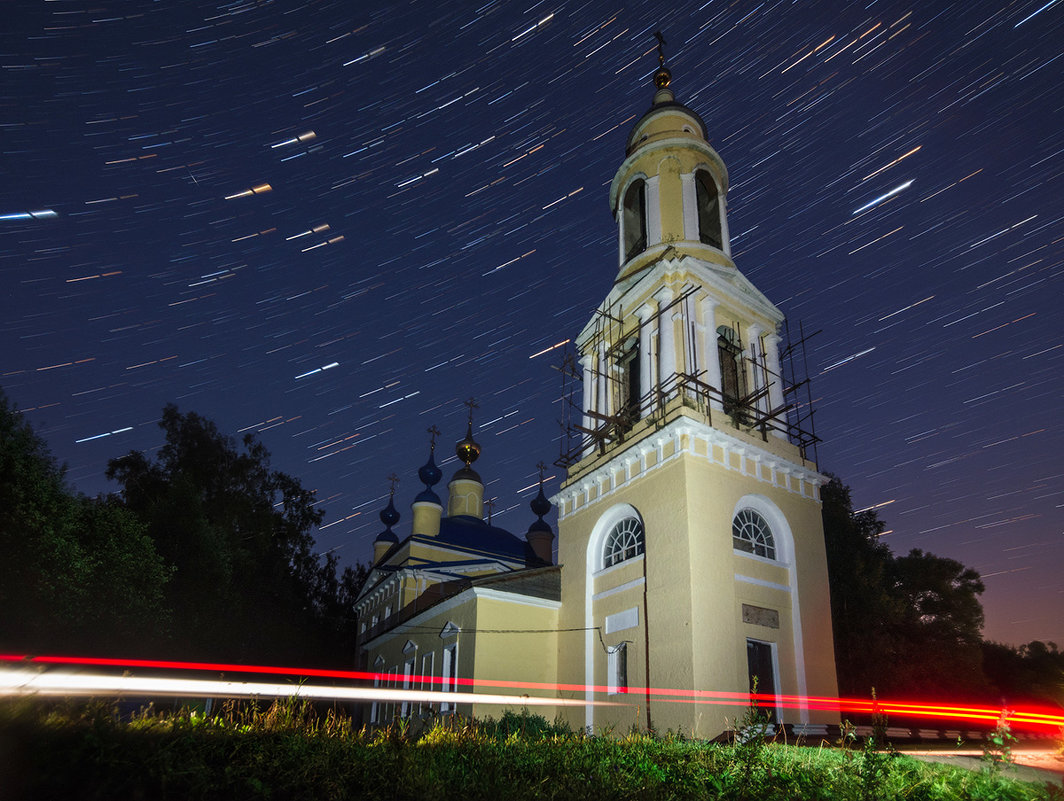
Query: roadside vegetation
[[290, 750]]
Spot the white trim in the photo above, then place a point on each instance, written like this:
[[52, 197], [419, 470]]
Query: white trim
[[639, 582], [690, 207], [410, 647], [450, 629], [762, 559], [607, 479], [612, 568], [514, 598], [785, 550], [619, 621], [593, 566], [774, 655], [653, 210], [762, 583]]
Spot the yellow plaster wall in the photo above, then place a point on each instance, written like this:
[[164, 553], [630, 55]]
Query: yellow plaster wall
[[697, 635]]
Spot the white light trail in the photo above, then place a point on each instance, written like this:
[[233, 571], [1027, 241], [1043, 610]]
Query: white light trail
[[881, 198], [30, 682]]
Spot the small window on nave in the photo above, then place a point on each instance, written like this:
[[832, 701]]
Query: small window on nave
[[752, 534], [625, 541], [708, 199], [634, 219]]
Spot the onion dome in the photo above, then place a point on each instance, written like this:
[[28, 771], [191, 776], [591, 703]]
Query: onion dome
[[467, 449], [540, 506], [389, 516], [540, 536], [429, 474], [663, 77]]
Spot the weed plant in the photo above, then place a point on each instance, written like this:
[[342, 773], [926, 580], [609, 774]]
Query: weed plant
[[292, 750]]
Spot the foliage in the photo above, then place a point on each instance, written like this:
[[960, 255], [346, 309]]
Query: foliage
[[293, 750], [75, 572], [907, 625], [1030, 673], [248, 583], [997, 749]]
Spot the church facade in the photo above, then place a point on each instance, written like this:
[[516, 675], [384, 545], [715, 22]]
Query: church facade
[[691, 562]]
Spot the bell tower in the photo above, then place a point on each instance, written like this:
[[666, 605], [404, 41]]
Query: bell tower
[[689, 523]]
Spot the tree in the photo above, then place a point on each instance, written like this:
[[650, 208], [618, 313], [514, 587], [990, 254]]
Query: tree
[[862, 606], [76, 573], [906, 625], [248, 584], [1030, 673]]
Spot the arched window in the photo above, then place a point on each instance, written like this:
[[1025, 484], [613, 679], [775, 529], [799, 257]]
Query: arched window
[[732, 376], [751, 533], [708, 199], [634, 219], [624, 542]]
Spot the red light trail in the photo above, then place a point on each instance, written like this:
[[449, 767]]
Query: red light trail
[[33, 678]]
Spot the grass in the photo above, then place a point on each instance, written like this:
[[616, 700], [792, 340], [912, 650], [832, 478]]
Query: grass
[[291, 751]]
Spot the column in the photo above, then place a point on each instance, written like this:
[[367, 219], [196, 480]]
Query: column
[[753, 352], [666, 343], [653, 211], [645, 313], [775, 386], [586, 363], [712, 357], [603, 379], [690, 207]]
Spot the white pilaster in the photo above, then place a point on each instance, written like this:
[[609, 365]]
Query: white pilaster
[[690, 207], [753, 351], [586, 363], [645, 313], [775, 378], [602, 379], [666, 342], [725, 237], [711, 358], [653, 210]]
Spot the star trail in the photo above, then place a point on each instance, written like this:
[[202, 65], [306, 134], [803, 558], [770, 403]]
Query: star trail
[[328, 224]]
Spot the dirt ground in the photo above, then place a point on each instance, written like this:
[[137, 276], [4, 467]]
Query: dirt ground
[[1032, 764]]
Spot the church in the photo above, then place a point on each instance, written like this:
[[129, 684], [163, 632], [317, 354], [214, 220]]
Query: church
[[690, 557]]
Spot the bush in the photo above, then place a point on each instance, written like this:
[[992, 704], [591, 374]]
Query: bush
[[292, 750]]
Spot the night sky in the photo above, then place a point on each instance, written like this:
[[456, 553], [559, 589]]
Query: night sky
[[330, 223]]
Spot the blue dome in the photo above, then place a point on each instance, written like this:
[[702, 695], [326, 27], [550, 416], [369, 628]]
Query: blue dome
[[540, 525], [386, 536], [540, 505], [428, 496], [429, 473], [390, 515]]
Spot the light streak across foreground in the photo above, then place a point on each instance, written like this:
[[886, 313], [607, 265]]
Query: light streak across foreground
[[32, 676]]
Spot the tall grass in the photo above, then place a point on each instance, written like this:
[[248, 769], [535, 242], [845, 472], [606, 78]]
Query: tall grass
[[293, 751]]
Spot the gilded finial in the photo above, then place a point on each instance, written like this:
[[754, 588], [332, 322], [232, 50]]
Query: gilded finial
[[467, 449], [663, 77]]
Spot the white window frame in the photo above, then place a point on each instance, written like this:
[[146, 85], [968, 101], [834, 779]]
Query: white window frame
[[617, 669], [750, 516]]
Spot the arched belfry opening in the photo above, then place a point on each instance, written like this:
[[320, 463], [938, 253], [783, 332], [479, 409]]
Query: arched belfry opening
[[634, 219], [732, 374], [708, 200]]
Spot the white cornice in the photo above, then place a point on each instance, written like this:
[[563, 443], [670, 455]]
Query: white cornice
[[723, 283], [515, 598], [468, 595], [610, 476]]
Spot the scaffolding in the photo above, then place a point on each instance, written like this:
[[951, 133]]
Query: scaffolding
[[591, 424]]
